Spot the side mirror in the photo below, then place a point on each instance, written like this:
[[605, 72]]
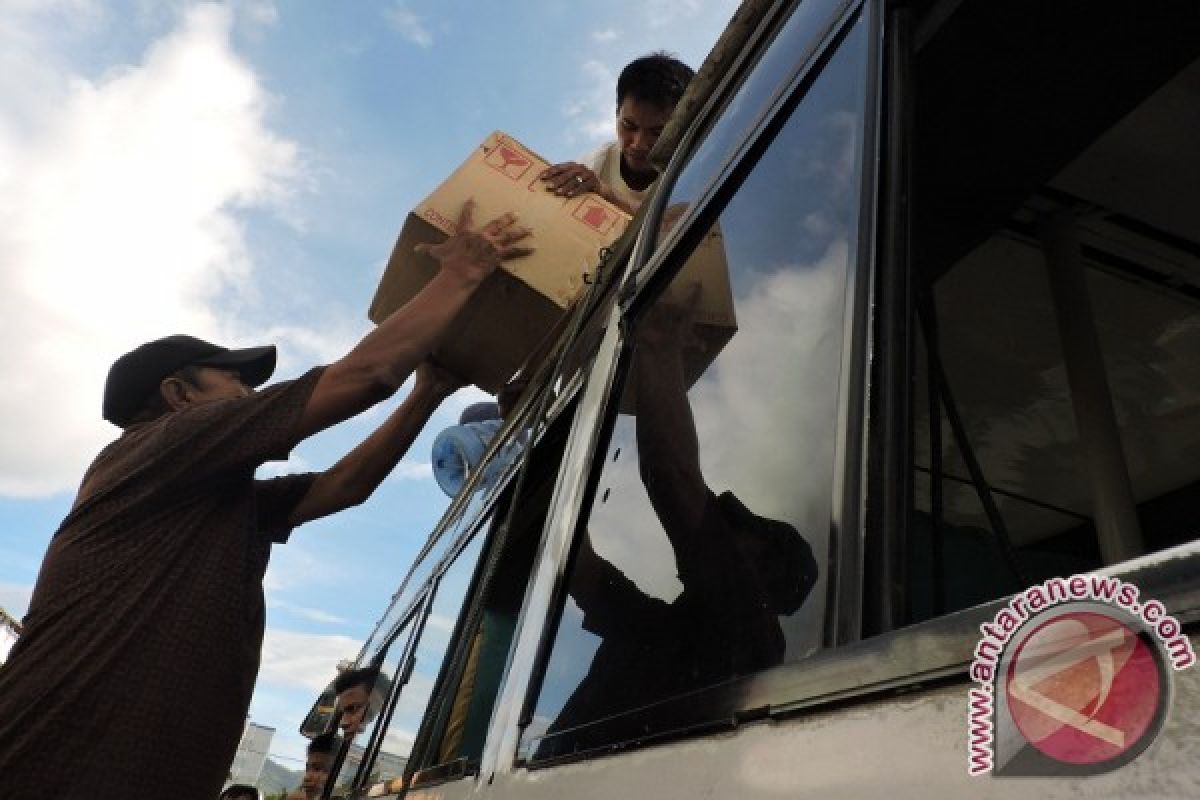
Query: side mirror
[[320, 716]]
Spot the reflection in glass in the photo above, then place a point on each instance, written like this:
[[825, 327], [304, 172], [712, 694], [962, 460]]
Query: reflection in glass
[[751, 99], [431, 649], [360, 705], [699, 560]]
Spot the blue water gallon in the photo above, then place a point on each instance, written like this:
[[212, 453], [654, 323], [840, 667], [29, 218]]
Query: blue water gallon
[[458, 450]]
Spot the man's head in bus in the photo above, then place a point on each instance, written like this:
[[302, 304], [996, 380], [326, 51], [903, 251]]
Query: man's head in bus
[[321, 751], [647, 92], [359, 695], [240, 791], [776, 551]]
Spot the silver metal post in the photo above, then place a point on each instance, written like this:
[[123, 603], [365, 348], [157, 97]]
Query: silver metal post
[[1113, 507]]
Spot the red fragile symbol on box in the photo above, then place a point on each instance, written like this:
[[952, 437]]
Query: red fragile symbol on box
[[595, 216], [509, 161]]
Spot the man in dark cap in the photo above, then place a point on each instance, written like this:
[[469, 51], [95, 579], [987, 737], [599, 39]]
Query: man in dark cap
[[142, 641]]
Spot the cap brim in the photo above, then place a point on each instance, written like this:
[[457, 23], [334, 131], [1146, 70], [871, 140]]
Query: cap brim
[[254, 364]]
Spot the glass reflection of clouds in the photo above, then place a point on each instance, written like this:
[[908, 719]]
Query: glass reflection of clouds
[[765, 410]]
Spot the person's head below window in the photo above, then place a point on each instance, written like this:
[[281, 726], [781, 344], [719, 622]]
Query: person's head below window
[[321, 752], [239, 791], [648, 90], [354, 691]]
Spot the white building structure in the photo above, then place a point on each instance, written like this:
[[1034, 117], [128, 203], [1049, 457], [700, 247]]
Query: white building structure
[[10, 629], [251, 754]]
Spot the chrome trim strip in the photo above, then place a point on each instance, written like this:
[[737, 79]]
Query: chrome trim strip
[[504, 730]]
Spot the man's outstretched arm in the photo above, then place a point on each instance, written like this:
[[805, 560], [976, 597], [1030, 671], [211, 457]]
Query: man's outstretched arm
[[380, 363], [358, 474]]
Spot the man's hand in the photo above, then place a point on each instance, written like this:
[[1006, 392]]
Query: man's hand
[[570, 180], [473, 255], [435, 381]]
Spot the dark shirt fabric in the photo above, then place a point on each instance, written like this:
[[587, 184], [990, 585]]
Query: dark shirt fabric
[[142, 641], [719, 627]]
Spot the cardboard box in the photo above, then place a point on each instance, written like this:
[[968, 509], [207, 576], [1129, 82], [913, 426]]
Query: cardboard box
[[518, 305], [514, 311], [714, 321]]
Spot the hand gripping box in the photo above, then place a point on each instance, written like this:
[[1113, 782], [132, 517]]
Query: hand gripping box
[[517, 306]]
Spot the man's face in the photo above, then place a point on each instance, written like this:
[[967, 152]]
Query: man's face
[[639, 125], [316, 770], [353, 705], [215, 383]]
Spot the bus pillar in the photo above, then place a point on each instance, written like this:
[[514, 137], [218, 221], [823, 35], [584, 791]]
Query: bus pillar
[[1113, 507]]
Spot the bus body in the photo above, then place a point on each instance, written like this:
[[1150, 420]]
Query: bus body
[[963, 249]]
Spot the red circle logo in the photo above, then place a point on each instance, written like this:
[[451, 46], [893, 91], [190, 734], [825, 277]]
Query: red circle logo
[[1083, 688]]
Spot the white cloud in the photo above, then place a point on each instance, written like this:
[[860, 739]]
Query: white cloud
[[412, 471], [294, 567], [274, 469], [605, 36], [304, 612], [303, 660], [408, 25], [664, 13], [592, 111], [440, 622], [14, 598], [398, 741], [119, 203], [262, 12]]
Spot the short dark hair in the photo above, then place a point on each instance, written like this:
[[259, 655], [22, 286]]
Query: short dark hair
[[356, 677], [154, 406], [659, 78], [325, 743]]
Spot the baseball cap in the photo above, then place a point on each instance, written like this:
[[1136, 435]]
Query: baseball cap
[[133, 376]]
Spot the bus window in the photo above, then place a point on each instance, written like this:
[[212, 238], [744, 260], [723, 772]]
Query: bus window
[[401, 727], [794, 43], [703, 555], [358, 726], [1056, 241]]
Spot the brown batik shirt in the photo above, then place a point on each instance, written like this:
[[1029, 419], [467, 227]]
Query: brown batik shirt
[[142, 641]]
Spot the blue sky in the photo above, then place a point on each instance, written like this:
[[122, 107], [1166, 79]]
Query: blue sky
[[240, 171]]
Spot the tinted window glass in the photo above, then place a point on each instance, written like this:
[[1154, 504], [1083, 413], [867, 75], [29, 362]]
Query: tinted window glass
[[357, 734], [421, 572], [500, 470], [750, 101], [699, 559], [431, 648], [1086, 434]]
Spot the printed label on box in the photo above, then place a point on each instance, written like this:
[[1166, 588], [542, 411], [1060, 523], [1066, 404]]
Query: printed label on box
[[595, 216], [509, 161]]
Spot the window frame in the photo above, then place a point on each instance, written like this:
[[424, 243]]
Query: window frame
[[940, 648], [424, 770], [534, 633], [420, 607], [652, 270]]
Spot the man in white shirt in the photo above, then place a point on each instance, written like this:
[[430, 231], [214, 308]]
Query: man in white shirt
[[620, 172]]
